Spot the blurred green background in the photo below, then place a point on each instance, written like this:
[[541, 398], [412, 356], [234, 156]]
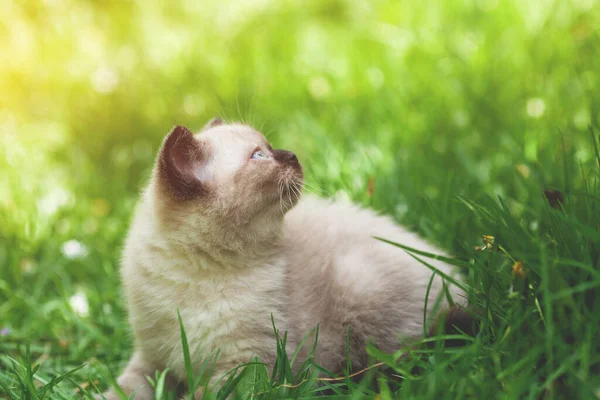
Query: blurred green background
[[399, 105]]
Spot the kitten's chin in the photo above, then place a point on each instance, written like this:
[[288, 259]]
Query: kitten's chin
[[290, 191]]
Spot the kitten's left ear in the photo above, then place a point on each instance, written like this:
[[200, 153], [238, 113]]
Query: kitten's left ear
[[213, 122], [181, 163]]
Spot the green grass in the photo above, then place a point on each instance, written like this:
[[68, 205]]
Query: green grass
[[454, 117]]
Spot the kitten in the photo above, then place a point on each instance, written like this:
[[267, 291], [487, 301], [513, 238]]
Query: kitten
[[221, 235]]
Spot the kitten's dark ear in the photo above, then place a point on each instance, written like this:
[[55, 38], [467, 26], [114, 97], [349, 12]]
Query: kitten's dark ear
[[213, 122], [180, 164]]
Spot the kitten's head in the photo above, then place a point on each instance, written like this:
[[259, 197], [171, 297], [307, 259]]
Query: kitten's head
[[227, 174]]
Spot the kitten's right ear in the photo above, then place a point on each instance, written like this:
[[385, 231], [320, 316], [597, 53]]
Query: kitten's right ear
[[216, 121], [181, 164]]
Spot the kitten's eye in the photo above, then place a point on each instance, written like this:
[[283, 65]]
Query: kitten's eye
[[259, 155]]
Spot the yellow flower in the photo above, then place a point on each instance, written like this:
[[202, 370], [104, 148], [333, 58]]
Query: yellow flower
[[518, 271], [488, 243]]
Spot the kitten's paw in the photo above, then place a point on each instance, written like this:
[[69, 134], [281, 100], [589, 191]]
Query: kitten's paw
[[198, 394], [134, 391], [133, 382]]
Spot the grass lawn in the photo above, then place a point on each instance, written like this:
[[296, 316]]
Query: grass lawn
[[458, 118]]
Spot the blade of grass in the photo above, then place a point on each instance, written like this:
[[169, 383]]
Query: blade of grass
[[447, 260], [187, 359], [56, 380], [445, 276], [426, 303]]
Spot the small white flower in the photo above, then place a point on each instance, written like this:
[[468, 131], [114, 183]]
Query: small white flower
[[535, 107], [73, 249], [79, 304]]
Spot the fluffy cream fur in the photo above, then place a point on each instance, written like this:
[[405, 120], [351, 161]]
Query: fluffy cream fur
[[218, 236]]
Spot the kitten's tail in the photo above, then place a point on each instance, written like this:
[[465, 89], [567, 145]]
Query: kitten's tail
[[456, 320]]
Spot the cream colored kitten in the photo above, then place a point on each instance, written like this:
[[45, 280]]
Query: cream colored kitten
[[218, 236]]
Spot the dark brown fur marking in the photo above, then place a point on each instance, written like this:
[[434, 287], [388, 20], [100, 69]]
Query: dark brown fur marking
[[179, 155]]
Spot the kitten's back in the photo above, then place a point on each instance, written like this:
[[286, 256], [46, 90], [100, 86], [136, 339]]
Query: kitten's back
[[339, 274]]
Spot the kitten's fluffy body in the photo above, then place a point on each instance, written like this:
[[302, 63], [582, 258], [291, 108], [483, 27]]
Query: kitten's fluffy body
[[210, 239]]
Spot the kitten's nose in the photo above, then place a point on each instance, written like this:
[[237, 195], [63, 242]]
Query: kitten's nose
[[291, 157], [285, 156]]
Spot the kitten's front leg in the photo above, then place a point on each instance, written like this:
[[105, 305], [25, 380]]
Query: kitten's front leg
[[133, 379]]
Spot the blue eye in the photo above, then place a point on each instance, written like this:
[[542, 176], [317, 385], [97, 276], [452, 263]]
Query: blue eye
[[259, 154]]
